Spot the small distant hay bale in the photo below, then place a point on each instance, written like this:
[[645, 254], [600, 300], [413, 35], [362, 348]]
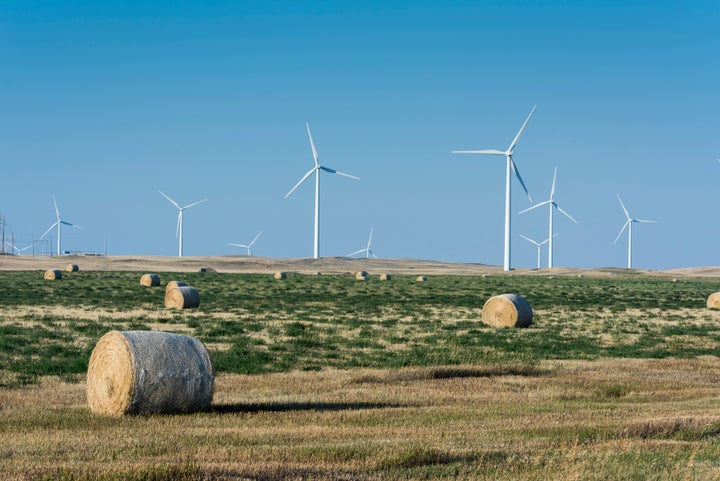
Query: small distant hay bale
[[72, 268], [150, 280], [713, 301], [173, 284], [421, 278], [280, 275], [53, 275], [384, 277], [145, 372], [208, 270], [361, 276], [183, 297], [507, 310]]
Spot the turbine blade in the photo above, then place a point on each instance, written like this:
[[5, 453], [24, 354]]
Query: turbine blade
[[565, 213], [50, 228], [355, 253], [517, 174], [333, 171], [489, 151], [236, 245], [168, 198], [517, 137], [177, 229], [370, 239], [256, 238], [552, 191], [312, 145], [646, 221], [309, 173], [621, 231], [627, 214], [529, 239], [534, 207], [57, 211], [194, 204]]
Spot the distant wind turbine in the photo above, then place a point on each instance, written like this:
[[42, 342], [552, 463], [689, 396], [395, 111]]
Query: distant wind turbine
[[368, 252], [538, 245], [316, 170], [59, 223], [179, 229], [628, 223], [510, 166], [19, 251], [553, 205], [247, 246]]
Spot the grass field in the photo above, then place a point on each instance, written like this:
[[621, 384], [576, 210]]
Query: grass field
[[326, 377]]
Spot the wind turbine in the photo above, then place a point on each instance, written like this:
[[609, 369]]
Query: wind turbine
[[510, 166], [538, 245], [247, 246], [368, 252], [553, 205], [628, 223], [179, 230], [59, 223], [316, 170], [19, 251]]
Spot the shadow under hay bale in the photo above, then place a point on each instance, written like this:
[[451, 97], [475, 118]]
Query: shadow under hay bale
[[713, 301], [507, 310], [145, 372], [53, 275], [183, 297], [150, 280], [72, 268]]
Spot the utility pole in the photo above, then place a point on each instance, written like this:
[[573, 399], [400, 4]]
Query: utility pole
[[2, 221]]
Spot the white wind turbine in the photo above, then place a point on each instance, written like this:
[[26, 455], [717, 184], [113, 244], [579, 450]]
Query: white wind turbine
[[179, 230], [538, 245], [553, 205], [628, 223], [59, 223], [247, 246], [368, 252], [510, 166], [19, 251], [316, 170]]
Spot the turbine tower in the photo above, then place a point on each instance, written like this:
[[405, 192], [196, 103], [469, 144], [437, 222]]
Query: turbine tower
[[509, 167], [538, 245], [179, 230], [553, 205], [628, 223], [247, 246], [316, 170], [368, 252], [59, 223]]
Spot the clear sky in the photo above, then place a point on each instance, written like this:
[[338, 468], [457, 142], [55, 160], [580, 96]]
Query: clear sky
[[104, 103]]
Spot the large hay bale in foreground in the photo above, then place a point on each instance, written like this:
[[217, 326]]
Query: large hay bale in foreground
[[173, 284], [507, 310], [713, 301], [183, 297], [72, 268], [143, 372], [53, 275], [280, 275], [150, 280]]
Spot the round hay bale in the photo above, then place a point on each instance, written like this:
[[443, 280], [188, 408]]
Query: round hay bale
[[421, 279], [150, 280], [72, 268], [280, 275], [713, 301], [173, 284], [507, 310], [384, 277], [361, 276], [53, 275], [183, 297], [144, 372], [206, 270]]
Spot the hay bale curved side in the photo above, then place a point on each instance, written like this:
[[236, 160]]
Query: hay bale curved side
[[713, 301], [53, 275], [150, 280], [507, 310], [72, 268], [144, 372], [183, 297], [173, 284]]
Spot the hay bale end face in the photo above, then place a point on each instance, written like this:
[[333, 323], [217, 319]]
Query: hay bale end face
[[150, 280], [713, 301], [384, 277], [144, 372], [280, 275], [183, 297], [507, 310], [53, 275], [173, 284], [72, 268]]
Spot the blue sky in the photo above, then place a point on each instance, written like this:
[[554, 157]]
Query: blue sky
[[105, 103]]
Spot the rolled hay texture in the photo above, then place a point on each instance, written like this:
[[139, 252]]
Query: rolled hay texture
[[421, 278], [144, 372], [183, 297], [713, 301], [53, 275], [150, 280], [507, 310], [173, 284], [280, 275], [384, 277], [72, 268], [361, 276]]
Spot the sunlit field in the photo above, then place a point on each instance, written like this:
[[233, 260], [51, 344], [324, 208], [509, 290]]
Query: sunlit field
[[327, 377]]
